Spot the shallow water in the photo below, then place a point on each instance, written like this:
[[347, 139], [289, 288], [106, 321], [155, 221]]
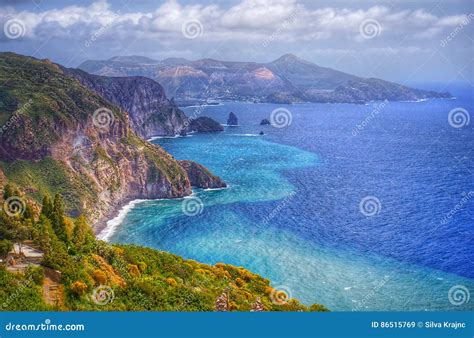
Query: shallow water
[[292, 210]]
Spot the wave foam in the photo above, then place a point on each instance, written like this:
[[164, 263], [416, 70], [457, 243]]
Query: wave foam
[[112, 224]]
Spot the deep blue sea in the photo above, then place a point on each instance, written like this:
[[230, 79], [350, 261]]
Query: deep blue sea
[[357, 207]]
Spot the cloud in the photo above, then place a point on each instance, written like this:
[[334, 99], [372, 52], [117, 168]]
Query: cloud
[[258, 17]]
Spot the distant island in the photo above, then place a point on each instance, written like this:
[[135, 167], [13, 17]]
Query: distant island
[[289, 79]]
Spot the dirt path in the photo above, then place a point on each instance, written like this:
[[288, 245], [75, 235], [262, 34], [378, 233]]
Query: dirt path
[[53, 293]]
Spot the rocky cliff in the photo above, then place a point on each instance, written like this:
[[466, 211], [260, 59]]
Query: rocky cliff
[[200, 177], [151, 112], [57, 135]]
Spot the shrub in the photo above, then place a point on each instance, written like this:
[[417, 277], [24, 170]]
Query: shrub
[[142, 266], [100, 277], [240, 282], [318, 308], [5, 247], [171, 281], [35, 273], [133, 270], [78, 288]]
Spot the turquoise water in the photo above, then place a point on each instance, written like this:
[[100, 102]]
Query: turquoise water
[[291, 211]]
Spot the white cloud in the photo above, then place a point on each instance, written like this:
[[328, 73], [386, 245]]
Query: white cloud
[[248, 20]]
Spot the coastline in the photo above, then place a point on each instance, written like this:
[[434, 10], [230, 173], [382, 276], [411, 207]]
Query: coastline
[[105, 228], [107, 225]]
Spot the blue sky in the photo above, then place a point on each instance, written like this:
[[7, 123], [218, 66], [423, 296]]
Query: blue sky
[[404, 41]]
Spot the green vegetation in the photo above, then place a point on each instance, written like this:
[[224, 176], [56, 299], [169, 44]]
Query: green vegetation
[[130, 277]]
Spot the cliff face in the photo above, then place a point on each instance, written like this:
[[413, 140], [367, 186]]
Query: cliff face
[[151, 113], [199, 176], [66, 138]]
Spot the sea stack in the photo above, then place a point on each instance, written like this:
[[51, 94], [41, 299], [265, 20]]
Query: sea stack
[[264, 122], [232, 120]]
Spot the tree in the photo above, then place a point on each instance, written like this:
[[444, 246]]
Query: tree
[[57, 219], [44, 233], [82, 235], [47, 208], [5, 247], [58, 204], [21, 233], [28, 213]]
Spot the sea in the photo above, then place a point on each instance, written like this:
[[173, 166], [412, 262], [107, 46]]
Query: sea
[[357, 207]]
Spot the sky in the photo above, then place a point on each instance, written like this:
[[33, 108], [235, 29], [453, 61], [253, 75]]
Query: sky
[[397, 40]]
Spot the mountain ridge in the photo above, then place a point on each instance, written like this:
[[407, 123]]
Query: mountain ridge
[[287, 79]]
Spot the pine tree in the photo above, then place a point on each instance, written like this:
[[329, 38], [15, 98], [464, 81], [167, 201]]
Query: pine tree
[[57, 219], [82, 235], [47, 208], [44, 233], [28, 213], [58, 204]]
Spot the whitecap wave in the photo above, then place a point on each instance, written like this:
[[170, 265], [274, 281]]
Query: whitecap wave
[[247, 135], [171, 137], [113, 224]]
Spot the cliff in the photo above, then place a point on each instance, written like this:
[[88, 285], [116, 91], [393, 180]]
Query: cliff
[[60, 136], [151, 112], [199, 176]]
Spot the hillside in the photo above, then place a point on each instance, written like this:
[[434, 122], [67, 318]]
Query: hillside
[[79, 273], [285, 80], [58, 136]]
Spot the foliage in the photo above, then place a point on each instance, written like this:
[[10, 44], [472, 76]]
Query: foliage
[[5, 247], [140, 278], [35, 273], [78, 288]]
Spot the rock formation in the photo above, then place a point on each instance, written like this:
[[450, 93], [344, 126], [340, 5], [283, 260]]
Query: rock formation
[[204, 124], [232, 120]]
